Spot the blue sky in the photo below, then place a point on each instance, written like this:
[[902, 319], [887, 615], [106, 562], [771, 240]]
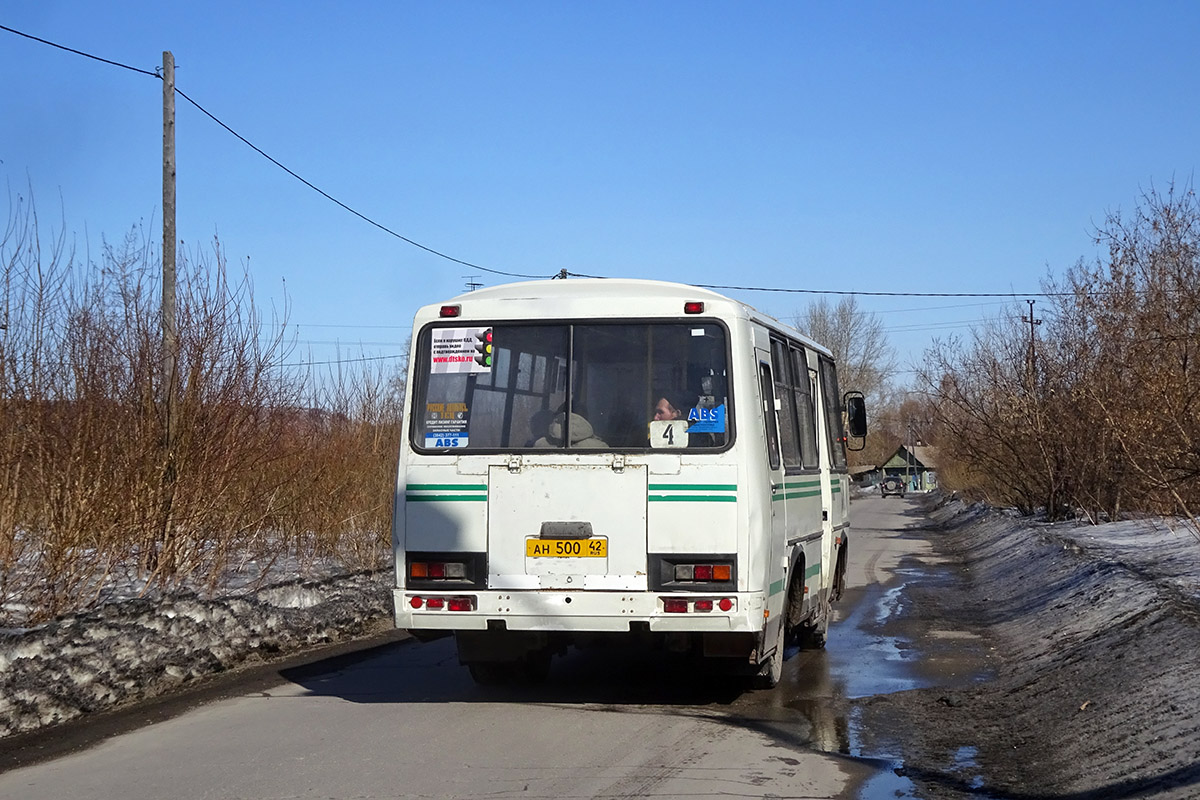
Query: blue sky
[[923, 146]]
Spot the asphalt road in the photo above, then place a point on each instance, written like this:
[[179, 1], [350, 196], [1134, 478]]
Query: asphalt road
[[404, 720]]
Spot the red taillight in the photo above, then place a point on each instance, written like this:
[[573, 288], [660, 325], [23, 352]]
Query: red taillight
[[435, 602], [450, 311], [449, 570], [725, 604], [703, 605], [703, 572], [675, 606], [415, 602], [693, 307], [460, 603]]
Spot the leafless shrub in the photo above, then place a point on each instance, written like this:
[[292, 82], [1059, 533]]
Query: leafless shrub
[[99, 480], [1101, 410]]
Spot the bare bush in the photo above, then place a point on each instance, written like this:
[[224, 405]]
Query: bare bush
[[1101, 411], [107, 473]]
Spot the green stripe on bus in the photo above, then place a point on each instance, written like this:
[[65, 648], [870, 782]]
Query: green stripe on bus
[[776, 588], [445, 498], [445, 487], [694, 487], [794, 495], [812, 571], [692, 498]]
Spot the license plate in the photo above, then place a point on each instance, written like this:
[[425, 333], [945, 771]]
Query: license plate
[[566, 548]]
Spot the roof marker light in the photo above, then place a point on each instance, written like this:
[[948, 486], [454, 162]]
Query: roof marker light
[[450, 311], [693, 307]]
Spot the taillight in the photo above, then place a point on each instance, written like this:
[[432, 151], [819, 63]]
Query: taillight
[[438, 570], [440, 603], [705, 573], [679, 605], [460, 603]]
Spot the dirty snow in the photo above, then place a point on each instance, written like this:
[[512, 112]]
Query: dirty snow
[[1095, 631], [131, 649]]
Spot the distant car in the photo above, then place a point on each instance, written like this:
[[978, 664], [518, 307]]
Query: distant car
[[892, 486]]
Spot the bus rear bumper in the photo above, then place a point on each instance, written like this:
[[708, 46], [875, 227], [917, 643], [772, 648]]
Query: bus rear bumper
[[580, 611]]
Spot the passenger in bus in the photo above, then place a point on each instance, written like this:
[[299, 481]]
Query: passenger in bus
[[670, 405], [676, 405], [582, 435]]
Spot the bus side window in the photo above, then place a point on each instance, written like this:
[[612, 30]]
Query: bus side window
[[788, 433], [804, 408], [833, 415], [768, 399]]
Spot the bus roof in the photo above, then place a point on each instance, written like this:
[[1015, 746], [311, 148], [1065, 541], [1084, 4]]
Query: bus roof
[[598, 298]]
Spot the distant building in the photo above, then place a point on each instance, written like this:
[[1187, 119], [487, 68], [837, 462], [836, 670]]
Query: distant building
[[917, 464]]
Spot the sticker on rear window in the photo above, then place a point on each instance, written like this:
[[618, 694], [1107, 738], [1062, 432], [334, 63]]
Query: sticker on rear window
[[707, 420], [460, 350]]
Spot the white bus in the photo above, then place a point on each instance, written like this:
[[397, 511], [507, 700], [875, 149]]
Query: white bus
[[584, 459]]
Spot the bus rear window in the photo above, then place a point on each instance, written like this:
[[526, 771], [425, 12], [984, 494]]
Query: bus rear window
[[595, 386]]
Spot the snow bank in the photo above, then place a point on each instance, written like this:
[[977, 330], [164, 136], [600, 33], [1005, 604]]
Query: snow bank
[[1098, 628], [134, 649]]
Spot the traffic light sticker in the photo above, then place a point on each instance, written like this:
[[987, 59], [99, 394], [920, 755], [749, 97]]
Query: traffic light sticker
[[461, 350]]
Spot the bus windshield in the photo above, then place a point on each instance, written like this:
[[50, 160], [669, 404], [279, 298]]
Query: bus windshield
[[571, 386]]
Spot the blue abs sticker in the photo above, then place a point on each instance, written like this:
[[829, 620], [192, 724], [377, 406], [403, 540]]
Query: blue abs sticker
[[707, 420], [437, 441]]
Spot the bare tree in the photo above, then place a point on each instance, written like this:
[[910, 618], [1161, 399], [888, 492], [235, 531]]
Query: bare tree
[[866, 360], [1106, 417]]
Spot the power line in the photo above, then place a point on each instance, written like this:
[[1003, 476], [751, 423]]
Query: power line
[[341, 361], [274, 161], [342, 205], [80, 52], [1012, 295], [439, 254]]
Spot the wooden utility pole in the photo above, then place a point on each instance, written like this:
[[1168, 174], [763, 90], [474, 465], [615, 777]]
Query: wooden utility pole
[[163, 561], [170, 336], [1031, 359]]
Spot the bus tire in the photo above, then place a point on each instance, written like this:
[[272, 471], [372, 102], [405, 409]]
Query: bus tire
[[491, 673], [814, 633], [771, 670], [532, 668]]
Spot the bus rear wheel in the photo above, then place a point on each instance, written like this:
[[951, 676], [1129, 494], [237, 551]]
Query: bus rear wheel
[[771, 670], [812, 634], [531, 668]]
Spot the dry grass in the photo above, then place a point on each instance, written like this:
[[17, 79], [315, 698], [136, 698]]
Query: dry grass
[[105, 471]]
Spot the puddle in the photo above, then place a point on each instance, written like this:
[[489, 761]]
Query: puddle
[[869, 654]]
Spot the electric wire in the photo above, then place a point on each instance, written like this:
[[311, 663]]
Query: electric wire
[[471, 265], [276, 162]]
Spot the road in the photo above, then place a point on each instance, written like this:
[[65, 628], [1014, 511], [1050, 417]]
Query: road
[[406, 721]]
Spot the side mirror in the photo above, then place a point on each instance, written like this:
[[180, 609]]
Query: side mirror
[[856, 416]]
